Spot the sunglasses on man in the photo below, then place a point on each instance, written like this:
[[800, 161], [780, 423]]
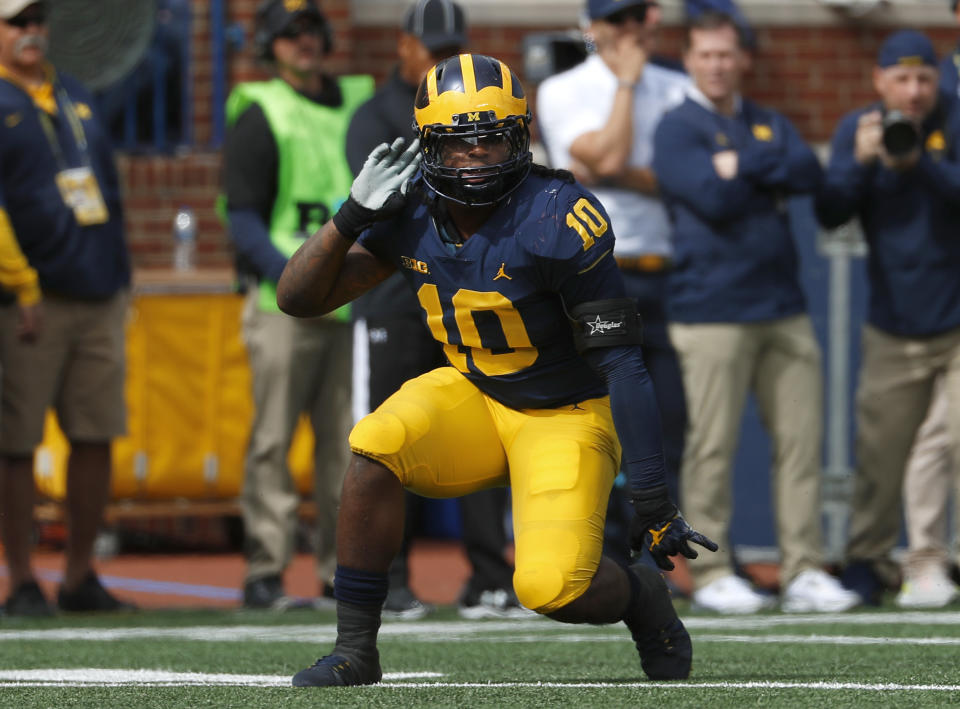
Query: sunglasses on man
[[637, 13], [35, 15]]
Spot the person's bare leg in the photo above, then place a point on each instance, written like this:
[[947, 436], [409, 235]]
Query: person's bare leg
[[369, 535], [370, 521], [88, 488], [16, 517], [605, 601]]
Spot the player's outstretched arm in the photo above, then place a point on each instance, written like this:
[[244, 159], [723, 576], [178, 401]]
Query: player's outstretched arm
[[329, 270]]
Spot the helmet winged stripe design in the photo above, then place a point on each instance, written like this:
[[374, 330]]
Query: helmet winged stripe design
[[473, 97]]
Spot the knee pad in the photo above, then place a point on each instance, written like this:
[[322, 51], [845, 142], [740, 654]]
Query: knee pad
[[549, 581], [378, 434], [538, 587]]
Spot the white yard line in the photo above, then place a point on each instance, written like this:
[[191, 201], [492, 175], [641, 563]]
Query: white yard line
[[703, 629], [159, 678]]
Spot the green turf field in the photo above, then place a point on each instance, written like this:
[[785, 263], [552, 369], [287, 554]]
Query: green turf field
[[245, 659]]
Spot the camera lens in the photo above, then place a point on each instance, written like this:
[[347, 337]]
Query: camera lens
[[900, 135]]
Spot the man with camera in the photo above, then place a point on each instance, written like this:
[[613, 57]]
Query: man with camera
[[896, 165]]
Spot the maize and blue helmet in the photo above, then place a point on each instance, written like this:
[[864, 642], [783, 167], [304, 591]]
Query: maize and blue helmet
[[473, 97]]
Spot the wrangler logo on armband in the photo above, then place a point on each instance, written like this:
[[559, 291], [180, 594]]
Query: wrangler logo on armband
[[414, 265]]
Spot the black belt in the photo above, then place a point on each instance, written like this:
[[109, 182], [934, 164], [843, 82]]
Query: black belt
[[645, 263]]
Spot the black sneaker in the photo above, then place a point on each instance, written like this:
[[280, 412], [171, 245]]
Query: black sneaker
[[28, 601], [90, 596], [266, 592], [339, 671], [401, 604], [491, 603]]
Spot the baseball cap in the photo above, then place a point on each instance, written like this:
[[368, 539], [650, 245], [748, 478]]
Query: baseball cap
[[598, 9], [273, 16], [906, 48], [438, 24], [12, 8]]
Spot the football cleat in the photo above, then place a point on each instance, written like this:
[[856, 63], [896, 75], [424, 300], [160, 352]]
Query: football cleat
[[667, 653], [339, 671]]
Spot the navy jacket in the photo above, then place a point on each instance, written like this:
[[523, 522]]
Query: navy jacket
[[735, 260], [911, 221], [84, 262]]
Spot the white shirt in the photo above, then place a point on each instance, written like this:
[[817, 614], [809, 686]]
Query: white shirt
[[578, 101]]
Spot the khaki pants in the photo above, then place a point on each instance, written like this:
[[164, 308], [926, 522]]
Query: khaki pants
[[895, 391], [928, 486], [779, 361], [297, 366]]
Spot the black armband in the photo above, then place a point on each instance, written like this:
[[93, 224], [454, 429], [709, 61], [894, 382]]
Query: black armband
[[606, 323]]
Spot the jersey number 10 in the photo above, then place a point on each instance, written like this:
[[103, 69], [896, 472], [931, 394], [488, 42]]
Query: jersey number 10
[[465, 303]]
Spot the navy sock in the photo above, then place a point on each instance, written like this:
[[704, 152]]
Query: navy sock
[[360, 588], [360, 596]]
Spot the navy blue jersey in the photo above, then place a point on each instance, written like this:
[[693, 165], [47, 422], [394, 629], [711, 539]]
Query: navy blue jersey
[[88, 262], [499, 302]]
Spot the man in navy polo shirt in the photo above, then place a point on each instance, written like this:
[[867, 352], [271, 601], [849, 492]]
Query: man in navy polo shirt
[[726, 167], [907, 198], [60, 197]]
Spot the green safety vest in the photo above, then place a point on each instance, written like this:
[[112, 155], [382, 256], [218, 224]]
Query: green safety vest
[[313, 177]]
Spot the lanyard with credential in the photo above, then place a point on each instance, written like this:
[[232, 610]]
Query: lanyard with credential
[[78, 185], [79, 136]]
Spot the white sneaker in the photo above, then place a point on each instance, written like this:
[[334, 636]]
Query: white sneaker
[[931, 588], [730, 594], [816, 591]]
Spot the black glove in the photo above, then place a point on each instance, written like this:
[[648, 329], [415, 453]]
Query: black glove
[[659, 526]]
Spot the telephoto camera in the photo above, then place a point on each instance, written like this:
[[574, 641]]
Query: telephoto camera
[[900, 134]]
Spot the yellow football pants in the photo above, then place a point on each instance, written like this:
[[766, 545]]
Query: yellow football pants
[[442, 437]]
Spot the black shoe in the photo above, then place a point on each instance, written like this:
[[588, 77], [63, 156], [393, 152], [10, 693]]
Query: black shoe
[[266, 592], [28, 601], [666, 652], [338, 671], [90, 596]]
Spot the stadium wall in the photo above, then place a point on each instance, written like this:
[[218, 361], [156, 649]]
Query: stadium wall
[[813, 63]]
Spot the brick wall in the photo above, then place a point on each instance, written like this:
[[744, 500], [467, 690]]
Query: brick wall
[[813, 74]]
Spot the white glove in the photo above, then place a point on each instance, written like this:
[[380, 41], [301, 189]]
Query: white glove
[[386, 172]]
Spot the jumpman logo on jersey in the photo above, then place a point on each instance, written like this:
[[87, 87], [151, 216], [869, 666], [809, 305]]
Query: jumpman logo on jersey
[[501, 273]]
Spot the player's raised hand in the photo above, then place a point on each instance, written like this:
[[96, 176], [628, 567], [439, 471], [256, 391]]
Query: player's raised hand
[[380, 190], [659, 526], [386, 173]]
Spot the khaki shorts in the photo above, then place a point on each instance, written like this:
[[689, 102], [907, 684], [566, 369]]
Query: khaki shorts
[[76, 367]]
